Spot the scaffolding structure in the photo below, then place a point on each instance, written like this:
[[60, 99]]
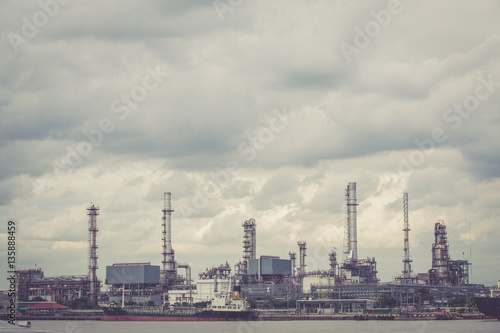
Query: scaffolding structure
[[459, 272], [221, 272], [93, 211]]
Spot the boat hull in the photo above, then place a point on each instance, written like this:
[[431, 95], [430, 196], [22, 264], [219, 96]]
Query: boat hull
[[489, 306], [206, 315]]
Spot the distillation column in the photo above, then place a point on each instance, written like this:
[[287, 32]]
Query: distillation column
[[93, 211], [168, 253]]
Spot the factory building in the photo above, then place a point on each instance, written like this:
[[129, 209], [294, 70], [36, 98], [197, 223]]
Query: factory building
[[134, 282], [133, 275], [317, 281], [269, 268], [211, 282], [32, 283]]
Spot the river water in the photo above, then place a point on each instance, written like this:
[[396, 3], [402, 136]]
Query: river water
[[433, 326]]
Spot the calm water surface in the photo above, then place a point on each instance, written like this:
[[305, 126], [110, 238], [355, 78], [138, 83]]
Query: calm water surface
[[265, 326]]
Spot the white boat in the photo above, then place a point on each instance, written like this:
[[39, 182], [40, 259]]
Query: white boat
[[24, 323]]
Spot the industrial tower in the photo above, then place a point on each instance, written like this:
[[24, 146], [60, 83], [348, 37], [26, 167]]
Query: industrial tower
[[168, 252], [293, 258], [302, 257], [93, 211], [445, 271], [351, 234], [439, 273], [354, 270], [406, 229]]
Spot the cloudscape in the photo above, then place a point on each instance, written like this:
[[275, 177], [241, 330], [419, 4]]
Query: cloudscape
[[249, 109]]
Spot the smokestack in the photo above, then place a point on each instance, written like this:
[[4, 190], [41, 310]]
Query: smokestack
[[352, 220]]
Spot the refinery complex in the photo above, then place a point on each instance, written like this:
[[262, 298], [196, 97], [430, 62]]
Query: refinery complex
[[258, 277]]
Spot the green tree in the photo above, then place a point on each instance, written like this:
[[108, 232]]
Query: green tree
[[83, 303], [37, 299], [386, 301], [425, 295], [202, 304], [253, 303]]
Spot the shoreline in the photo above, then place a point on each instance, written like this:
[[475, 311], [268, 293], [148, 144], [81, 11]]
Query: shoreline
[[361, 317]]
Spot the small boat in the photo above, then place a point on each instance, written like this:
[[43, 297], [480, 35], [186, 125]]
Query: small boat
[[24, 323]]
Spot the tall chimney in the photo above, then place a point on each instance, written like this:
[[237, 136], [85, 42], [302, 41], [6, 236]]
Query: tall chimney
[[93, 211], [352, 220]]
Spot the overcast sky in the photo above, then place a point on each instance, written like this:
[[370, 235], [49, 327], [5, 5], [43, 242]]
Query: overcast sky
[[241, 109]]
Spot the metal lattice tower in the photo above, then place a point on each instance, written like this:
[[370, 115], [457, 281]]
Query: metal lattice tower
[[93, 211], [168, 252], [293, 258], [302, 256], [406, 229]]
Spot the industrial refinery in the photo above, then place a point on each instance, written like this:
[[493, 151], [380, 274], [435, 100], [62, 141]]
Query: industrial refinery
[[258, 278]]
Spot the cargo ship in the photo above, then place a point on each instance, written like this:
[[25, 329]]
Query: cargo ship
[[489, 306], [224, 307]]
